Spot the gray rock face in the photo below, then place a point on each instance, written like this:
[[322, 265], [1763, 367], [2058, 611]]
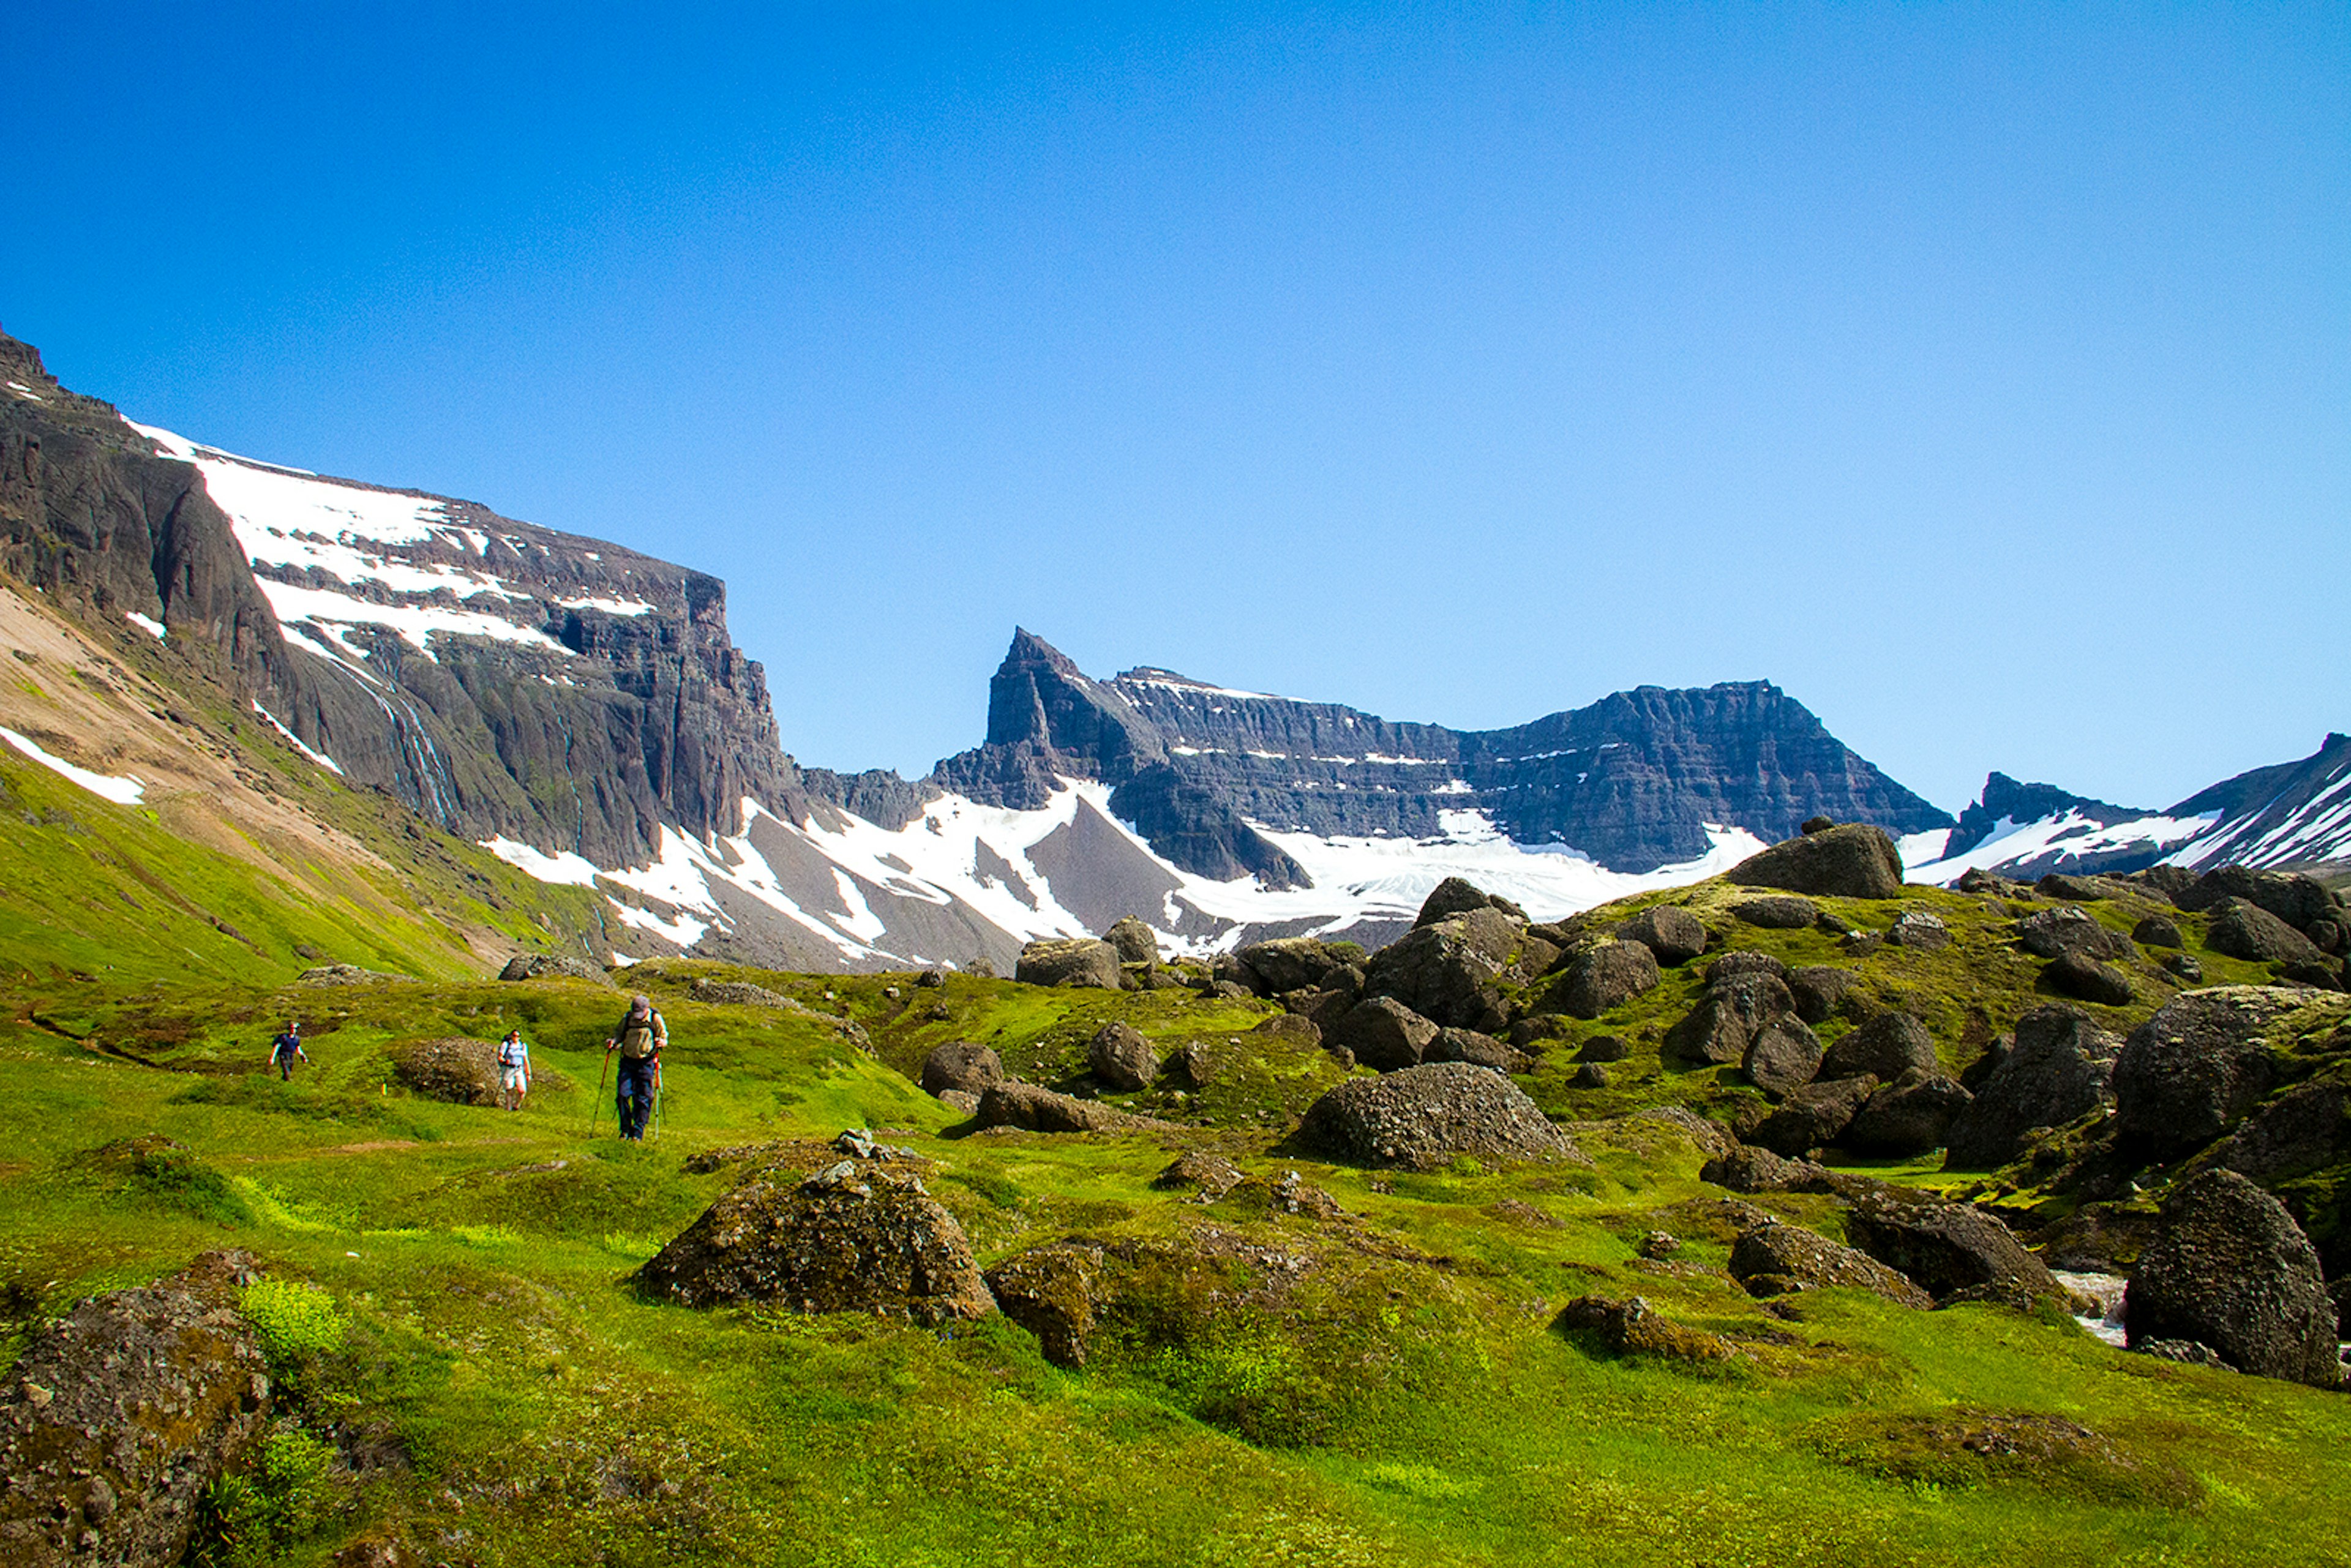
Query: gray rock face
[[1946, 1247], [1386, 1035], [1773, 1259], [1423, 1117], [1819, 990], [1729, 1017], [2079, 975], [1782, 912], [1134, 940], [1120, 1057], [1812, 1117], [1908, 1117], [2190, 1072], [1889, 1045], [2054, 933], [1851, 861], [2230, 1269], [851, 1239], [1781, 1056], [1603, 975], [2243, 929], [1674, 936], [960, 1066], [2060, 1067], [1077, 961], [120, 1415]]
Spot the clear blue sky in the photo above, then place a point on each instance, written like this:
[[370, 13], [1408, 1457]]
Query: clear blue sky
[[1980, 374]]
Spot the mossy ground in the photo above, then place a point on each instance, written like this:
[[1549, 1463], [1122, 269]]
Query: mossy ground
[[1400, 1396]]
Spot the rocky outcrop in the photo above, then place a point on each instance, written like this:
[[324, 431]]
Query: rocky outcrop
[[1069, 961], [1819, 990], [460, 1070], [2060, 1067], [1850, 862], [2079, 975], [1946, 1247], [1036, 1109], [2054, 933], [1785, 912], [2190, 1073], [1424, 1117], [1634, 1327], [1782, 1056], [551, 967], [851, 1238], [1134, 940], [1772, 1260], [1736, 1007], [123, 1415], [2230, 1269], [1446, 970]]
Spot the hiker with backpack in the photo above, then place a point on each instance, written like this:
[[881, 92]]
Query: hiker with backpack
[[514, 1069], [639, 1039], [287, 1049]]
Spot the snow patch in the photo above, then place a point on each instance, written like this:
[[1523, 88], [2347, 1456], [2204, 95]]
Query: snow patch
[[122, 791], [294, 740], [153, 628], [2069, 832], [564, 870]]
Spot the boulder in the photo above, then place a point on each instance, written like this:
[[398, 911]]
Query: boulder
[[1812, 1116], [2191, 1073], [1448, 971], [1816, 825], [961, 1066], [2303, 1130], [2185, 967], [1729, 1017], [1634, 1328], [2327, 936], [851, 1239], [2054, 933], [459, 1071], [2076, 974], [1919, 930], [1771, 1259], [1291, 963], [1781, 1056], [1861, 943], [1604, 975], [1818, 989], [1035, 1109], [2290, 896], [1454, 895], [1886, 1045], [1477, 1049], [1747, 1168], [1384, 1034], [1675, 935], [1136, 943], [552, 966], [1589, 1075], [1908, 1117], [2230, 1269], [2243, 929], [2158, 931], [1053, 1292], [1604, 1048], [2060, 1067], [1854, 861], [1421, 1118], [1780, 913], [1120, 1057], [1198, 1171], [1069, 961], [1745, 961], [119, 1416], [1946, 1247], [1299, 1028]]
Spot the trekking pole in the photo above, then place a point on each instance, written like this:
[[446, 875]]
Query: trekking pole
[[596, 1111], [658, 1087]]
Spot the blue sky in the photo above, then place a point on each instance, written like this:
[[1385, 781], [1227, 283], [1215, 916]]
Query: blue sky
[[1981, 375]]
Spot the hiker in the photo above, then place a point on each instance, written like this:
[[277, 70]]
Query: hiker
[[639, 1039], [514, 1069], [287, 1049]]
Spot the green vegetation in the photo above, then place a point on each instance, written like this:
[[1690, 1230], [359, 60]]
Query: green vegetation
[[464, 1367]]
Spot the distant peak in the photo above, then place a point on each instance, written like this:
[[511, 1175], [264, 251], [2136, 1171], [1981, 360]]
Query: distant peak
[[1031, 652]]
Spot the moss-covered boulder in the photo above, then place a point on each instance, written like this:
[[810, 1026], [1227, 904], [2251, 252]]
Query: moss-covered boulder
[[1773, 1259], [2230, 1269], [1424, 1117], [1854, 861]]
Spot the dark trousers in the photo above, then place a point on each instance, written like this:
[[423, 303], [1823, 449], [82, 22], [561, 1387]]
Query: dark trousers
[[285, 1066], [636, 1096]]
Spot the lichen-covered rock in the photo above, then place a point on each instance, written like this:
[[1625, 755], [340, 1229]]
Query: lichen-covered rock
[[1291, 964], [123, 1414], [1819, 990], [1811, 1117], [1135, 942], [1734, 1008], [851, 1238], [1745, 961], [961, 1066], [2296, 899], [1120, 1057], [551, 967], [1854, 861], [1051, 1292], [1675, 935], [1212, 1175], [1069, 961], [1906, 1117], [1781, 1056], [1454, 895], [2303, 1130], [1920, 930], [1886, 1046], [1386, 1035], [1946, 1247], [2230, 1269], [1448, 971], [461, 1072], [2052, 932], [1636, 1327], [1477, 1049], [2158, 931], [1036, 1109], [1748, 1168], [1603, 975], [2079, 975], [2243, 929], [2061, 1066], [1785, 912], [1423, 1117], [2191, 1073], [1770, 1258]]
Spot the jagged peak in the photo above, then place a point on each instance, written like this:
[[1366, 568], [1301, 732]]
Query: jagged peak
[[1030, 652]]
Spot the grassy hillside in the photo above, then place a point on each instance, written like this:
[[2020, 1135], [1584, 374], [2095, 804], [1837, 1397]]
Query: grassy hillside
[[472, 1375]]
